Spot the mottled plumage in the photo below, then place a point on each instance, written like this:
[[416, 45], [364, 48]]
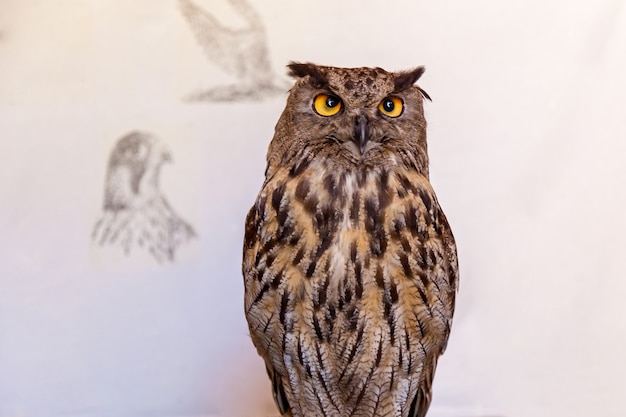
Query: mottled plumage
[[349, 265]]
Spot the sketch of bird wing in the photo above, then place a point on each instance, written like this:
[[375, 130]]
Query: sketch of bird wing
[[240, 52]]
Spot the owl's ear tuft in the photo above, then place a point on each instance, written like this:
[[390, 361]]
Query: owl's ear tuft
[[406, 79], [300, 70]]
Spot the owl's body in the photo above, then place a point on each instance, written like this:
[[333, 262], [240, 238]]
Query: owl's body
[[349, 264]]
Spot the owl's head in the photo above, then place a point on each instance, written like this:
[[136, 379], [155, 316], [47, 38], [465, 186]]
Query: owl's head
[[352, 117]]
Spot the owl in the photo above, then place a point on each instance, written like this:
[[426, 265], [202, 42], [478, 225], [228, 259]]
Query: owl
[[349, 264], [136, 214]]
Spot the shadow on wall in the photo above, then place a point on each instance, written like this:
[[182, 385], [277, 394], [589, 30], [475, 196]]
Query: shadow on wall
[[244, 53], [136, 215]]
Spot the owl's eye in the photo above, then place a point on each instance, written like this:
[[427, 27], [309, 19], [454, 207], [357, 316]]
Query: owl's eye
[[327, 105], [391, 106]]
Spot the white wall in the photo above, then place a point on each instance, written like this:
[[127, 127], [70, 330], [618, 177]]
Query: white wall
[[527, 138]]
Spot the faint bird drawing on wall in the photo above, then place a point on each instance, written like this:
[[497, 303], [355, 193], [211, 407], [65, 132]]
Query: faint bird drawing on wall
[[136, 215], [242, 53]]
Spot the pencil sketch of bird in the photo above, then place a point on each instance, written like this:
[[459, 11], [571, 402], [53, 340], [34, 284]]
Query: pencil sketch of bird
[[242, 53], [136, 215], [349, 264]]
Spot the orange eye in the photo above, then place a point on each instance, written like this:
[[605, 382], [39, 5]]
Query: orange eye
[[391, 106], [327, 105]]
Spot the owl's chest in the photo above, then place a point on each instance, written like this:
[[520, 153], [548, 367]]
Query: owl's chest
[[328, 233], [329, 218]]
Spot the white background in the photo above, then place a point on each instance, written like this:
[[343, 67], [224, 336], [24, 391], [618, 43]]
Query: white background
[[527, 138]]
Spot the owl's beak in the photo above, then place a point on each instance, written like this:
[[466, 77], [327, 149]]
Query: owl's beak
[[361, 132]]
